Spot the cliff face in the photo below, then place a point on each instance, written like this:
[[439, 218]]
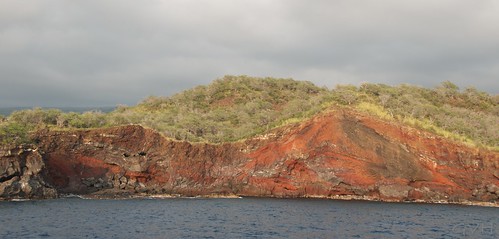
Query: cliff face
[[20, 175], [337, 154]]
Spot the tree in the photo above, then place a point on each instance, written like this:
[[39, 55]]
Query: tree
[[448, 89], [346, 95], [383, 98], [14, 133]]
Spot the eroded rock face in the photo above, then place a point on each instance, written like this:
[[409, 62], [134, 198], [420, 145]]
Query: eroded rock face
[[396, 191], [20, 174], [337, 154]]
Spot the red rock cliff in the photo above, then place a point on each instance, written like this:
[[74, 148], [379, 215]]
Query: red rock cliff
[[336, 154]]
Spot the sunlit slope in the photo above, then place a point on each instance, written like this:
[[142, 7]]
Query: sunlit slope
[[237, 107]]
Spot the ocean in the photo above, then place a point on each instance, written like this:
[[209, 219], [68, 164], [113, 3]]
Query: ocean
[[242, 218]]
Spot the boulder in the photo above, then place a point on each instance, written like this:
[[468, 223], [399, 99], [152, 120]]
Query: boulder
[[21, 175]]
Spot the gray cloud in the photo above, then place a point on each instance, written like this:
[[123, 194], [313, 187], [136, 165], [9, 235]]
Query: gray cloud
[[90, 53]]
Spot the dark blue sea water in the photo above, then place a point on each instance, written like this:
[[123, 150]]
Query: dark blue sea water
[[242, 218]]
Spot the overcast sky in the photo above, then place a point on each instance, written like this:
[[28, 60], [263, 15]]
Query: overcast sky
[[108, 52]]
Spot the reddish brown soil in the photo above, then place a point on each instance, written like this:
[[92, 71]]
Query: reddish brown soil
[[341, 153]]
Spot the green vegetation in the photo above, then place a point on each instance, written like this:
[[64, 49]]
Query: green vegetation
[[237, 107], [229, 109], [468, 116], [14, 133], [16, 128]]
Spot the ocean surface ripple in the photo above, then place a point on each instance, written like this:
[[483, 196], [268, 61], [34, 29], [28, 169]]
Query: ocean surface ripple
[[242, 218]]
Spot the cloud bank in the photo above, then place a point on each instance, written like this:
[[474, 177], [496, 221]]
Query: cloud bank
[[107, 52]]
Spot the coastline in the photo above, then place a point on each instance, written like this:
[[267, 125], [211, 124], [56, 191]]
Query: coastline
[[235, 196], [135, 162]]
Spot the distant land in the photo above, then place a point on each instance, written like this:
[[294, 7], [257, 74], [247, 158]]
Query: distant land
[[5, 111], [265, 137]]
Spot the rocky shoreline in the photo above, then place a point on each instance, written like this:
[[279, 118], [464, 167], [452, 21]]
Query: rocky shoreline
[[214, 196], [339, 155]]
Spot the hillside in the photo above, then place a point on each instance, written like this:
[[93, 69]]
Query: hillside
[[229, 109], [243, 136], [237, 107]]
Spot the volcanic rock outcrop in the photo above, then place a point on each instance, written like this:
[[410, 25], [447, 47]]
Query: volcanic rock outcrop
[[340, 154], [20, 175]]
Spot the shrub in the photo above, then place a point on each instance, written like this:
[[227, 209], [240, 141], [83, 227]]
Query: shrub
[[13, 133], [237, 107]]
